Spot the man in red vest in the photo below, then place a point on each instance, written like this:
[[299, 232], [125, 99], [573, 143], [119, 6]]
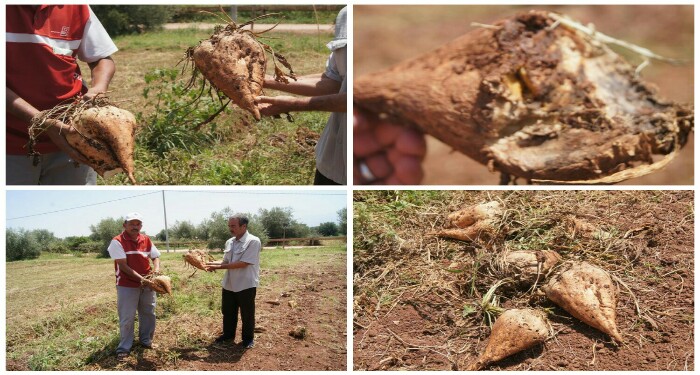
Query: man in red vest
[[44, 44], [132, 252]]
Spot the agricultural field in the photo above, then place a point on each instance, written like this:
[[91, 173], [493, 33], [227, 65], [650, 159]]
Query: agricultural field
[[234, 149], [62, 315], [387, 35], [426, 302]]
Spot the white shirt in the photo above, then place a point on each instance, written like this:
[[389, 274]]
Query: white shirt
[[331, 156], [116, 251], [96, 43], [247, 250]]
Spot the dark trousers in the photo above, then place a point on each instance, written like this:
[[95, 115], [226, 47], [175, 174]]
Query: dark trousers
[[320, 179], [231, 302]]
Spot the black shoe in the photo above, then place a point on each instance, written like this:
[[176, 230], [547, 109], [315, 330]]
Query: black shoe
[[223, 338], [248, 344]]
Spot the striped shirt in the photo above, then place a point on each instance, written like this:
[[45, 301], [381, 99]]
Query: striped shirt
[[137, 253]]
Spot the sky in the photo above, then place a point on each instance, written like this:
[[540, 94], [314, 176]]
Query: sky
[[79, 208]]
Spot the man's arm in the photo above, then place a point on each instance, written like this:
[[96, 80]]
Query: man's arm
[[130, 273], [310, 85], [102, 72], [275, 105], [228, 266], [156, 265]]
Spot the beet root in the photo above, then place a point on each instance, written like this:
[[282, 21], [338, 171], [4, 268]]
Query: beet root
[[527, 266], [234, 62], [105, 137], [472, 223], [533, 97], [514, 331], [588, 293]]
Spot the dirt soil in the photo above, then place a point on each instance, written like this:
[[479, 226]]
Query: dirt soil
[[386, 35], [416, 296], [319, 306]]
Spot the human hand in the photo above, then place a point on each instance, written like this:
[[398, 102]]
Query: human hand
[[386, 153], [92, 93], [56, 131], [275, 105]]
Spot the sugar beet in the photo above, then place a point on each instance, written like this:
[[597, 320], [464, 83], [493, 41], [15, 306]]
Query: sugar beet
[[536, 98]]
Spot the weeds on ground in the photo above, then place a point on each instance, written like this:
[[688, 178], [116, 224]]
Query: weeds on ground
[[452, 284]]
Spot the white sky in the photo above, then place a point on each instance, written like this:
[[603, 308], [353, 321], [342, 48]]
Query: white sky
[[310, 207]]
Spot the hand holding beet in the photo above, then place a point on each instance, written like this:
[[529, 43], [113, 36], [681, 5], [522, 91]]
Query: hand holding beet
[[392, 153]]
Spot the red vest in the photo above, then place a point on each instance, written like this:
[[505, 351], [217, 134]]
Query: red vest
[[138, 257], [41, 51]]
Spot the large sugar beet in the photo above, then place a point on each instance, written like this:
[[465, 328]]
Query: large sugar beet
[[234, 62], [533, 96], [105, 137], [588, 293], [514, 331]]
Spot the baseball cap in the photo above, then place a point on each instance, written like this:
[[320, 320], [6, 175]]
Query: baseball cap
[[133, 216]]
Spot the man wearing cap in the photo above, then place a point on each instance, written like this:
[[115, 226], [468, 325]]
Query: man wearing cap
[[132, 252], [242, 264], [321, 92]]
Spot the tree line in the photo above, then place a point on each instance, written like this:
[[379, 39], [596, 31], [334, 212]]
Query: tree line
[[277, 222]]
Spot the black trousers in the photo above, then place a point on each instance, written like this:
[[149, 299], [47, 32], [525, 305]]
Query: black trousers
[[244, 301], [320, 179]]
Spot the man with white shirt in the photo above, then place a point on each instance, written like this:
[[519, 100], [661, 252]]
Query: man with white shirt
[[132, 252], [242, 264], [43, 46]]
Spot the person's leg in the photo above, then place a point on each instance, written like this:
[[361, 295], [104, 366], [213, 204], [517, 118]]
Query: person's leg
[[20, 171], [229, 309], [127, 303], [59, 169], [320, 179], [147, 316], [246, 300]]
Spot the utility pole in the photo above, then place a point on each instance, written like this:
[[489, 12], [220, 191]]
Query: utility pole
[[234, 13], [165, 215]]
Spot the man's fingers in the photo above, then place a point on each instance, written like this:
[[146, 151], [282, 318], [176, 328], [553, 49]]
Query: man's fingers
[[365, 144], [379, 166], [408, 170], [410, 142], [359, 121], [386, 133]]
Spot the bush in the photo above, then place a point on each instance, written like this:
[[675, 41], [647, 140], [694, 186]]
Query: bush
[[126, 19], [92, 247], [328, 229], [58, 247], [170, 125], [21, 245], [103, 233]]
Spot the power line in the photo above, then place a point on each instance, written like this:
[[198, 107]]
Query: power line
[[87, 205]]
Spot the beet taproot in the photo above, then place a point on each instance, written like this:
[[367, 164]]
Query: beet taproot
[[527, 266], [534, 96], [587, 293], [104, 134], [233, 61], [477, 222], [514, 331]]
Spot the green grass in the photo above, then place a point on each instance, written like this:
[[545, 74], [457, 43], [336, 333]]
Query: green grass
[[61, 311], [235, 149]]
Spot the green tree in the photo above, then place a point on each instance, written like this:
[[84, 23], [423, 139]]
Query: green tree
[[328, 229], [278, 222], [43, 237], [104, 231], [125, 19], [21, 245], [343, 221], [74, 242], [183, 230]]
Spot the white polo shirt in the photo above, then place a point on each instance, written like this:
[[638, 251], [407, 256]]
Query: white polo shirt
[[247, 249]]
